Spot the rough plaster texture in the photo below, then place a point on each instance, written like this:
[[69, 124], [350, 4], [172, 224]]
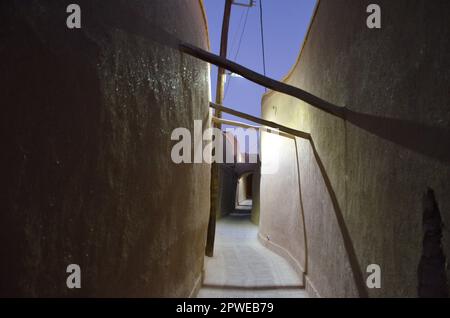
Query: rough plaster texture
[[379, 164], [87, 176], [280, 195]]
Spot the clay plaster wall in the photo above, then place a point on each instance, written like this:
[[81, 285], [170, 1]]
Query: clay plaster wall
[[87, 117], [379, 162]]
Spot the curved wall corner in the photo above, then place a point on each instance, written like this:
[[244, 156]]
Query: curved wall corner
[[87, 117], [380, 161]]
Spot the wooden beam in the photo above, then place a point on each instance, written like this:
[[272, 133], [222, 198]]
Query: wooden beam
[[261, 121], [233, 123], [263, 80], [138, 24], [220, 88], [244, 125]]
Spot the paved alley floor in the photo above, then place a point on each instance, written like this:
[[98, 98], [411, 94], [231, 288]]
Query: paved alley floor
[[243, 267]]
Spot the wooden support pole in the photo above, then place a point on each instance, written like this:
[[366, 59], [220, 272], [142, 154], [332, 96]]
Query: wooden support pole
[[214, 187], [220, 89]]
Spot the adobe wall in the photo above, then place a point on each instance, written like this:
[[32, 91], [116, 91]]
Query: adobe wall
[[88, 179], [380, 162]]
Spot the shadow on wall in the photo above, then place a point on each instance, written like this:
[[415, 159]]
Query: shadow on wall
[[378, 164], [431, 273], [90, 181], [270, 212], [356, 269], [430, 141]]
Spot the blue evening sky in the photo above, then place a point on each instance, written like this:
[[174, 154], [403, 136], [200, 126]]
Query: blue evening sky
[[285, 26]]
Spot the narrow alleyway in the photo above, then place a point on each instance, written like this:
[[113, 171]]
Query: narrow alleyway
[[243, 267], [140, 136]]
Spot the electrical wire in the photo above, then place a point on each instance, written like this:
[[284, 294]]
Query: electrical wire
[[227, 85], [233, 41], [262, 37]]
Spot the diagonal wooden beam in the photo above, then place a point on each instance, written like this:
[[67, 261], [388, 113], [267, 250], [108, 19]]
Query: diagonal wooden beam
[[265, 81], [261, 121], [260, 128], [356, 269], [136, 23]]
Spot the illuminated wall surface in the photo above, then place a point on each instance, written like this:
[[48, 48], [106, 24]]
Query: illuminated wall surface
[[380, 162], [88, 179], [87, 175]]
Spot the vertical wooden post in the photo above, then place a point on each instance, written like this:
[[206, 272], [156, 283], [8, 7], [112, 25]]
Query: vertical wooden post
[[223, 53], [219, 99]]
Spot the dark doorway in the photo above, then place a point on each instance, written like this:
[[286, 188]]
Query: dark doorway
[[249, 186]]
